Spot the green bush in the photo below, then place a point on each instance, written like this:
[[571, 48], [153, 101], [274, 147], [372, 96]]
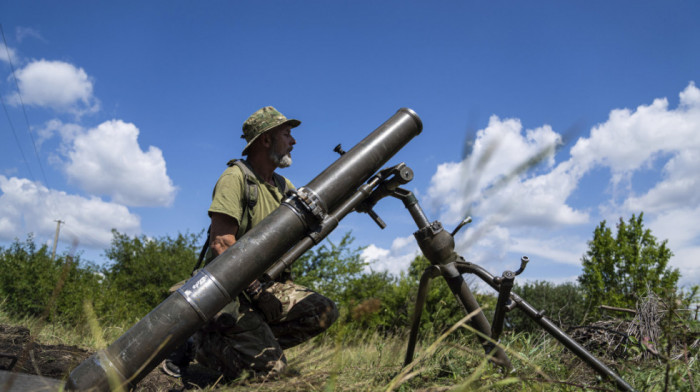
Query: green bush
[[34, 285], [378, 301], [618, 270], [136, 280], [564, 304], [140, 272], [366, 299]]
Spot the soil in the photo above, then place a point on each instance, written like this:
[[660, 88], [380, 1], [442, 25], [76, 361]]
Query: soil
[[19, 352]]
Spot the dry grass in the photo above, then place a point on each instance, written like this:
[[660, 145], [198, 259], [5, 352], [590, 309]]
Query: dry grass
[[367, 361]]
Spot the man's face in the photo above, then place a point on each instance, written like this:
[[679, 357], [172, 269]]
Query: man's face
[[281, 146]]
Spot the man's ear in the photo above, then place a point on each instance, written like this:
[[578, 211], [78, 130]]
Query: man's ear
[[266, 139]]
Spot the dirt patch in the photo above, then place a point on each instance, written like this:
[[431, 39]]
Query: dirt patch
[[19, 352]]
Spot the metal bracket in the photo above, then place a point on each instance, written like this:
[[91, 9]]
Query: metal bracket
[[203, 292], [312, 203], [428, 231]]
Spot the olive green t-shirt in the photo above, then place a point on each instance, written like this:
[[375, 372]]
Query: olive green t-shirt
[[229, 195]]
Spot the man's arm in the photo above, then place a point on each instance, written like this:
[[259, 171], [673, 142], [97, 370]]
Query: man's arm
[[224, 229], [223, 234]]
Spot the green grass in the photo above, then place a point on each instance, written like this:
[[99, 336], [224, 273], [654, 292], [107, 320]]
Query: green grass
[[366, 361], [363, 361]]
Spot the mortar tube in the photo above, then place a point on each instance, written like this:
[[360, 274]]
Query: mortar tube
[[327, 226], [133, 355]]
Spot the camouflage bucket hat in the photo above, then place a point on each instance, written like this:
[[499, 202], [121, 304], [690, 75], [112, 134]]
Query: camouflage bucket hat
[[262, 121]]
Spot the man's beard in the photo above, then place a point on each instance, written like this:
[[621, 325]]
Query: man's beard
[[280, 160]]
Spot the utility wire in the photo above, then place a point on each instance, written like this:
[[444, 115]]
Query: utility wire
[[29, 129], [24, 111], [19, 145]]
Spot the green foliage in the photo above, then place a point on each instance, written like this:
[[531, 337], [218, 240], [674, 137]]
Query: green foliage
[[142, 270], [562, 303], [374, 305], [376, 300], [366, 299], [617, 270], [441, 308], [34, 285], [135, 282], [28, 277], [330, 268]]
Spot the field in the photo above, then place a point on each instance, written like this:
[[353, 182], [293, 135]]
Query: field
[[366, 361], [56, 313]]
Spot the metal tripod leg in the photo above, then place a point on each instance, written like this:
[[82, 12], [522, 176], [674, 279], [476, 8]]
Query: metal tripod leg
[[465, 297], [429, 273]]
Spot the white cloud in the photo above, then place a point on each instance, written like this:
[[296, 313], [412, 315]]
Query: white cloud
[[686, 260], [24, 32], [26, 206], [395, 260], [564, 250], [446, 184], [489, 179], [56, 85], [631, 140], [527, 212], [108, 160], [680, 227], [67, 132], [485, 243], [678, 189]]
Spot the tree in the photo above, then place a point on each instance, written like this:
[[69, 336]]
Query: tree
[[618, 270], [141, 271]]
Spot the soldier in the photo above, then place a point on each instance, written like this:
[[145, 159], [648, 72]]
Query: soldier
[[251, 332]]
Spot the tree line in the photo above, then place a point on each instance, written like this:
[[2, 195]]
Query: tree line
[[617, 269]]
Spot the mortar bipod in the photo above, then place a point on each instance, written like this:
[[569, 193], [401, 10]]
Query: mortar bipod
[[503, 304], [468, 302], [514, 301], [438, 247]]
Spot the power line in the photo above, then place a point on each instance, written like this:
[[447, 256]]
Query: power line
[[24, 111], [31, 136], [19, 145]]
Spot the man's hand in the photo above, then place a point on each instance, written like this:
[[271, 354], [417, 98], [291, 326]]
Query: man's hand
[[254, 289], [265, 301]]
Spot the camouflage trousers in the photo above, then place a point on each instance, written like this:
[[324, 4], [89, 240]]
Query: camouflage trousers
[[240, 339]]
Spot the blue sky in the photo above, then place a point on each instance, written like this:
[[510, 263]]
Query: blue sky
[[135, 107]]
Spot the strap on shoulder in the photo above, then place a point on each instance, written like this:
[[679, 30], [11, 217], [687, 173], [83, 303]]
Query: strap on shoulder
[[282, 185], [202, 252], [250, 193]]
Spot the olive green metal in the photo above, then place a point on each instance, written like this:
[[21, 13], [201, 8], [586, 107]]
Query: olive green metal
[[429, 273], [546, 324], [505, 286], [438, 247]]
